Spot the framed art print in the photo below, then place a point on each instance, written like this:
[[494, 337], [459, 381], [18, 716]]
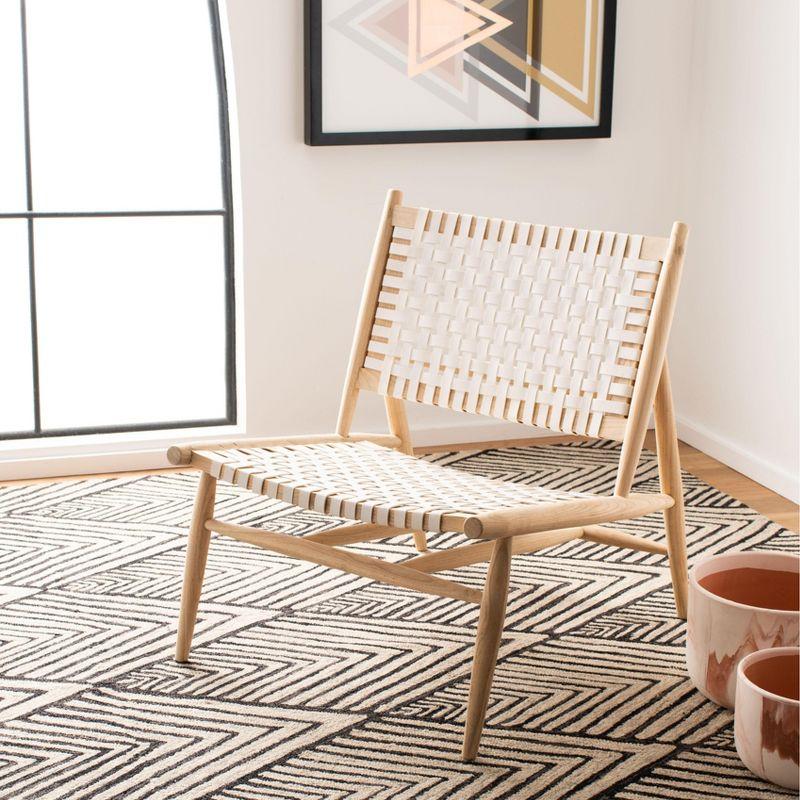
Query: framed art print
[[383, 71]]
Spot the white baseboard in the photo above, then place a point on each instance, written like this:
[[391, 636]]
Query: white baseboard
[[82, 464], [767, 474], [477, 432], [94, 453]]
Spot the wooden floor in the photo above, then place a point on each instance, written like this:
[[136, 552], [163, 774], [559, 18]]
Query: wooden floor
[[763, 500]]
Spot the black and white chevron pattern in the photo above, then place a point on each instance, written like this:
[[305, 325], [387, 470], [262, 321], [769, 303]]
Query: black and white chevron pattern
[[307, 684]]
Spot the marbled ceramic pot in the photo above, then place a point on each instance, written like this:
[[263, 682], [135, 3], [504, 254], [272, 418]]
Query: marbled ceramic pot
[[721, 632], [767, 714]]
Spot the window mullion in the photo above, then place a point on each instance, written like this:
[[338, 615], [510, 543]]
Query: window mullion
[[227, 200], [37, 417]]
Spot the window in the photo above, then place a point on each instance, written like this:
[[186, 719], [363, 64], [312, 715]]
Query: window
[[116, 246]]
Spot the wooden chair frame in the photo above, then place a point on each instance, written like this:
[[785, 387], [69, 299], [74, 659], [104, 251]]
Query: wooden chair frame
[[499, 534]]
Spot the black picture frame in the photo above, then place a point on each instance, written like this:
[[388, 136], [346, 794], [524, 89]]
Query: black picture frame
[[315, 136]]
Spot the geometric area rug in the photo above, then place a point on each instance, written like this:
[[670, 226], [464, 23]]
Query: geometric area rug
[[308, 684]]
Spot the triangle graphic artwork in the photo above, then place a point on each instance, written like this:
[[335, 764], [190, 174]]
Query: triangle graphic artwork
[[439, 29]]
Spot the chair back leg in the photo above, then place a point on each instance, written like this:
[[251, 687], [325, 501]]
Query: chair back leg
[[196, 554], [669, 469], [398, 426], [487, 643]]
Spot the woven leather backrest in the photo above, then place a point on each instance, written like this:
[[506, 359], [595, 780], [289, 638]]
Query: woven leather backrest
[[530, 323]]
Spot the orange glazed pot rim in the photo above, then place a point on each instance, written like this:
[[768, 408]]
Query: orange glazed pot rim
[[764, 655], [770, 555]]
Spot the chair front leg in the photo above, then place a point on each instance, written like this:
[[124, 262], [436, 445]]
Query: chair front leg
[[487, 643], [196, 554]]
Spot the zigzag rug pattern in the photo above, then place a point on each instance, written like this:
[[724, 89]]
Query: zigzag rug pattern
[[307, 684]]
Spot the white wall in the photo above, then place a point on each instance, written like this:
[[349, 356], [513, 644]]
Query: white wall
[[734, 351], [705, 128], [310, 213]]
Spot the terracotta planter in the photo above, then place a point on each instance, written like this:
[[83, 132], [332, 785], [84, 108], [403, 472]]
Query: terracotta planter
[[768, 713], [736, 609]]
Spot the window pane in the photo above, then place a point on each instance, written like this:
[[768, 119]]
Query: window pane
[[12, 130], [123, 105], [131, 320], [16, 381]]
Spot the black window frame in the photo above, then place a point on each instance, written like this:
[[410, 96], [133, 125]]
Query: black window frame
[[225, 212]]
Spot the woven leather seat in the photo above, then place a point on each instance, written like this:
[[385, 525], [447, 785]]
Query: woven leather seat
[[364, 482]]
